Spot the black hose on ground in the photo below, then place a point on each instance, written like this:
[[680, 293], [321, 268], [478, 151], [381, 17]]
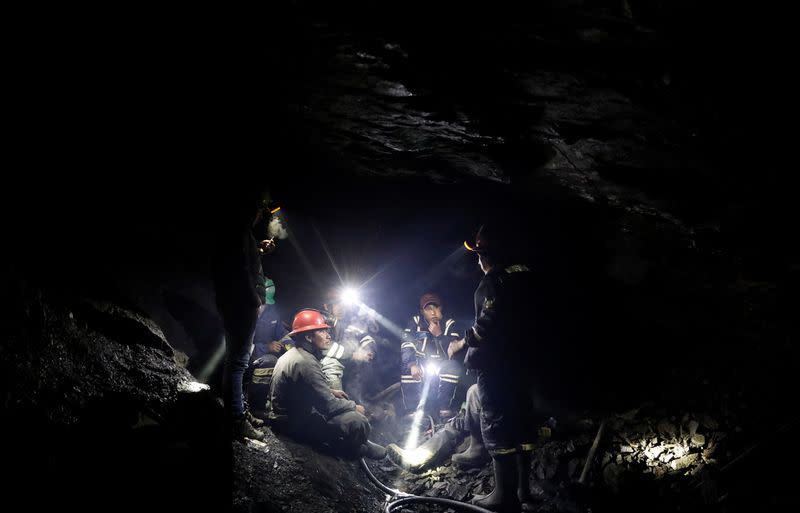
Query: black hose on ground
[[385, 489], [398, 499], [415, 499]]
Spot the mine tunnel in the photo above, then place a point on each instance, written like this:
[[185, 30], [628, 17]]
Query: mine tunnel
[[654, 340]]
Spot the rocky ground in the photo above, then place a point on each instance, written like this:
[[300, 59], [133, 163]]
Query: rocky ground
[[642, 463]]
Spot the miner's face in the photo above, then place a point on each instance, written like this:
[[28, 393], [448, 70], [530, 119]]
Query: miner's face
[[321, 339], [486, 266], [432, 312]]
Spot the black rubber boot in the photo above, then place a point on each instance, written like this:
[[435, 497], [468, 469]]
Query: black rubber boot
[[427, 455], [523, 481], [504, 496], [474, 456]]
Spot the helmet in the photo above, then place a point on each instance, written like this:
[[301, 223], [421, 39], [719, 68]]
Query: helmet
[[429, 298], [308, 320], [492, 239], [269, 296]]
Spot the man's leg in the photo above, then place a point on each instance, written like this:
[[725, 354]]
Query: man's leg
[[238, 336], [526, 427], [258, 384], [449, 377], [353, 430], [436, 449], [497, 430], [411, 390], [475, 455]]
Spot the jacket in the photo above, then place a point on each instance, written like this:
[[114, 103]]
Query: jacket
[[502, 335], [299, 388]]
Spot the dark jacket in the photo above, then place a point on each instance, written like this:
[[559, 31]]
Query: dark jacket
[[418, 343], [268, 329], [299, 388], [238, 276], [502, 336]]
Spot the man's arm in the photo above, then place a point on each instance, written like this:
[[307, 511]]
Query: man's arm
[[323, 399], [486, 323], [408, 351]]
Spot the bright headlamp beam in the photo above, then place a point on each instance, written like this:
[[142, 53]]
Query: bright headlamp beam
[[349, 295]]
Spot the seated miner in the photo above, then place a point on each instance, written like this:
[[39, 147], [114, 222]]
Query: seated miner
[[444, 442], [269, 328], [258, 378], [426, 365], [347, 364], [303, 404]]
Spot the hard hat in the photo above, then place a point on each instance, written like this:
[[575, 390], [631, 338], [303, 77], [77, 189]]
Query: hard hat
[[429, 298], [308, 320], [491, 239]]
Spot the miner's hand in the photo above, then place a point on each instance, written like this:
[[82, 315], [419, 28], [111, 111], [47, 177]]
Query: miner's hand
[[339, 394], [434, 328], [266, 246], [416, 371], [360, 409], [454, 347]]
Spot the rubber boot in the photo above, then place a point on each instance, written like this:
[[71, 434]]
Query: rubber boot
[[504, 495], [523, 481], [372, 451], [440, 445], [474, 456]]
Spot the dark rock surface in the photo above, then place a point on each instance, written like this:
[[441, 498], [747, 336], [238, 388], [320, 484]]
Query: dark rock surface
[[281, 475], [97, 409]]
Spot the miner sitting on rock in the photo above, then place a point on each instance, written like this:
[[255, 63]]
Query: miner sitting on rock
[[304, 406], [424, 352], [258, 379]]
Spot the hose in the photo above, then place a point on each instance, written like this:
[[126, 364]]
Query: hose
[[415, 499], [385, 489], [398, 499]]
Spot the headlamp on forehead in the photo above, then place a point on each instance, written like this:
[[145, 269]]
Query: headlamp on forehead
[[475, 247], [349, 295]]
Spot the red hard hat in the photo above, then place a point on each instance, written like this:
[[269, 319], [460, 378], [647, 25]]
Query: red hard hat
[[428, 298], [308, 320]]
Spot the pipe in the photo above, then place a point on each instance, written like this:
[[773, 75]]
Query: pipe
[[457, 505], [397, 498], [385, 489]]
